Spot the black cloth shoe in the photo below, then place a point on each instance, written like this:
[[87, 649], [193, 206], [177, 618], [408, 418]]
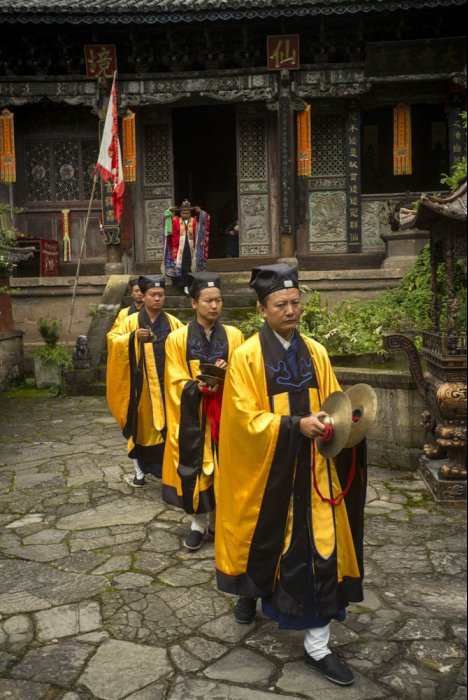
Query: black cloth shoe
[[193, 540], [332, 668], [245, 610], [133, 481]]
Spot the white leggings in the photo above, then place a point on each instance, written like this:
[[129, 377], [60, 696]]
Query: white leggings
[[138, 473], [316, 642], [202, 521]]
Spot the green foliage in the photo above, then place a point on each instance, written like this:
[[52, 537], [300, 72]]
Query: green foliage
[[56, 355], [458, 171], [251, 324], [49, 331], [8, 235], [53, 352], [26, 389], [354, 327], [11, 291]]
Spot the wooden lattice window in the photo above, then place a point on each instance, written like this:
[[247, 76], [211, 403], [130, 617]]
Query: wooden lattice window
[[60, 170], [252, 150], [328, 145], [157, 154]]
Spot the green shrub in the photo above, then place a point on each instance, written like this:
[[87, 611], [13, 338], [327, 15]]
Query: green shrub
[[353, 327], [48, 330], [52, 352]]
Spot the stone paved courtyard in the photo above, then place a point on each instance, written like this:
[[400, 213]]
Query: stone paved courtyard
[[98, 598]]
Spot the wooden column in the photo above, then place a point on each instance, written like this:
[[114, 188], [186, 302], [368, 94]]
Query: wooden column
[[286, 166]]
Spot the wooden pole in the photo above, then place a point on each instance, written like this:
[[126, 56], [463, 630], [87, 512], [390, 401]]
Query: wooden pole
[[80, 256]]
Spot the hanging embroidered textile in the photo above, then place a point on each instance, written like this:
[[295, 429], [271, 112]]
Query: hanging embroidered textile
[[66, 235], [7, 147], [129, 146], [402, 157], [304, 143]]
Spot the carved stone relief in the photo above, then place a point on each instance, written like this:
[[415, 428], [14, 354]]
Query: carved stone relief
[[374, 224], [327, 222], [154, 210], [254, 212]]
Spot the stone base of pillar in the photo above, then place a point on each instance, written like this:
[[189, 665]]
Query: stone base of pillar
[[442, 490], [403, 247], [114, 268], [288, 261]]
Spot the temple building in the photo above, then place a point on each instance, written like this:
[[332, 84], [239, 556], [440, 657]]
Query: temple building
[[306, 120]]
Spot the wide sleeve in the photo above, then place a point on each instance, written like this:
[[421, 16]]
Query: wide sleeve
[[118, 374], [183, 458]]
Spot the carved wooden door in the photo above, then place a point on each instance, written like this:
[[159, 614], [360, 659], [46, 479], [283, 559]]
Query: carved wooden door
[[158, 180], [253, 181]]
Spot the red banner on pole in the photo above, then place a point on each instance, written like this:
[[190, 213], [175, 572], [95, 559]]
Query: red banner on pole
[[110, 157]]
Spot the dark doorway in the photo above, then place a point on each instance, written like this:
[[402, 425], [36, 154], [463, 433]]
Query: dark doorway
[[205, 172]]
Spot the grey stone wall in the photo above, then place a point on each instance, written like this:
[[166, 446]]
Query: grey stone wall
[[396, 438], [11, 358], [52, 297]]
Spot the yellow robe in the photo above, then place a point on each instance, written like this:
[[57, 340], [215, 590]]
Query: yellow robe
[[273, 532], [190, 455], [114, 331], [146, 412]]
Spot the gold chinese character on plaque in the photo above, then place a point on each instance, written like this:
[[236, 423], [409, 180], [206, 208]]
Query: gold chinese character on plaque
[[283, 52], [101, 60]]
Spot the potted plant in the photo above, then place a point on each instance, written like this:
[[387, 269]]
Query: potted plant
[[10, 255], [53, 358]]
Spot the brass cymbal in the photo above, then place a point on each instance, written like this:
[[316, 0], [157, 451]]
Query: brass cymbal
[[338, 407], [364, 408]]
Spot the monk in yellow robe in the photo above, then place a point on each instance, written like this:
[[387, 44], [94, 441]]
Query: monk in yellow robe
[[135, 306], [135, 378], [285, 532], [137, 302], [194, 408]]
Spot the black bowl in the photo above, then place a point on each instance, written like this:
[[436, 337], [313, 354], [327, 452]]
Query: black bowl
[[210, 380], [212, 370]]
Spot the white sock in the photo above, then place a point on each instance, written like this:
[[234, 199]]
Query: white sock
[[316, 642], [199, 522], [138, 473]]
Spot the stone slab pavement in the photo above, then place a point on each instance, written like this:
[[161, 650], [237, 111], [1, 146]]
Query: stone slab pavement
[[99, 599]]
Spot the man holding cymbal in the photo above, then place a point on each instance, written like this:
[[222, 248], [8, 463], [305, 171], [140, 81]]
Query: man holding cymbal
[[289, 519]]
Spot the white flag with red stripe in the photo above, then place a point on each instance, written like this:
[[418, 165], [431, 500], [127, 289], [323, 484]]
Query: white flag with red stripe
[[110, 157]]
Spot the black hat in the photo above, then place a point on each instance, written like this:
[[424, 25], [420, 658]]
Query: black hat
[[198, 281], [185, 206], [133, 282], [267, 279], [146, 282]]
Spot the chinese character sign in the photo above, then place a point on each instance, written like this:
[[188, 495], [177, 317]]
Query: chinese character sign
[[101, 60], [283, 52], [353, 179]]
